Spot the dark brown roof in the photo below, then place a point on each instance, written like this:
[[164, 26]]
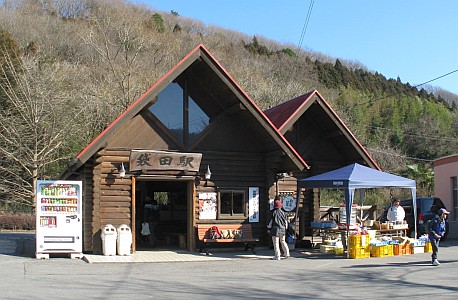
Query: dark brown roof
[[286, 114]]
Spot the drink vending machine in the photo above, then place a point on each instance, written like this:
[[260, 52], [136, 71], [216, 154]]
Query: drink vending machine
[[59, 226]]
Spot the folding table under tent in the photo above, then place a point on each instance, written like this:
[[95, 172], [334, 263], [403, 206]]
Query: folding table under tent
[[356, 176]]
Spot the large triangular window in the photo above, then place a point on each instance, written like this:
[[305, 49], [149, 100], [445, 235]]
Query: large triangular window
[[184, 118]]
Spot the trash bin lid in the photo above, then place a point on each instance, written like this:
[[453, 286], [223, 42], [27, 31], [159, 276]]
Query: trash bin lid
[[108, 229], [124, 228]]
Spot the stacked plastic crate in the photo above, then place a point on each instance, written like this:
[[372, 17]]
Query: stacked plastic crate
[[359, 246], [382, 249]]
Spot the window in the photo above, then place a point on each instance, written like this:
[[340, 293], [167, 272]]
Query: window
[[232, 204], [169, 109], [455, 197], [198, 120], [182, 116]]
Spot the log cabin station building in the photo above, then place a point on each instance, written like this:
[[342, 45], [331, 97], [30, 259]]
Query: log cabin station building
[[197, 149]]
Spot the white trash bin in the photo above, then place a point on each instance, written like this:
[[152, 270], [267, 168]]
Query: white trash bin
[[124, 240], [109, 239]]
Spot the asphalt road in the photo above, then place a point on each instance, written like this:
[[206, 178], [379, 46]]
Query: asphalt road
[[306, 275]]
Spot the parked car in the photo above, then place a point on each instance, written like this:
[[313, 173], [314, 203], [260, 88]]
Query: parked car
[[427, 208]]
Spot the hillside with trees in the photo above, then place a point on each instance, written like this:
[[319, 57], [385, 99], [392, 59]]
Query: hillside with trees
[[70, 67]]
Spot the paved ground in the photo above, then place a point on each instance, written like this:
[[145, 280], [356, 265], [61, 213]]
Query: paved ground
[[306, 275]]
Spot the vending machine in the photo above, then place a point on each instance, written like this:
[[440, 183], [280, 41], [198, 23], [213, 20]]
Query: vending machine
[[59, 226]]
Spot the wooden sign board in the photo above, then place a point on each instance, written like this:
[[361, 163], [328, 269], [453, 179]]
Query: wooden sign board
[[164, 160]]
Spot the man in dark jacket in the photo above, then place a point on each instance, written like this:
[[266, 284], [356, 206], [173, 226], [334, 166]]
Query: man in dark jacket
[[436, 232], [278, 225]]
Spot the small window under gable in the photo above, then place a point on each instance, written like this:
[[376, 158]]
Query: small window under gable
[[181, 115]]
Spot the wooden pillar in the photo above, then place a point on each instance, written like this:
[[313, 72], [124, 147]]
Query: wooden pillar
[[133, 219]]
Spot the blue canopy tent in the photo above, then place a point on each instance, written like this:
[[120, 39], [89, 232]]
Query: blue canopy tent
[[356, 176]]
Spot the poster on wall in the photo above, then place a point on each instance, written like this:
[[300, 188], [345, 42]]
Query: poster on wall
[[207, 206], [289, 203], [253, 204]]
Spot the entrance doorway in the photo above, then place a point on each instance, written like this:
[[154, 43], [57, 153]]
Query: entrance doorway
[[163, 207]]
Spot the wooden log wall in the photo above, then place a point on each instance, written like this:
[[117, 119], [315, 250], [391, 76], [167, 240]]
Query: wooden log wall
[[111, 193], [87, 206], [309, 210], [238, 171]]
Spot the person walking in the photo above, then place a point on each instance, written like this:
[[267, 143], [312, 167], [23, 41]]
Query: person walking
[[436, 230], [278, 225]]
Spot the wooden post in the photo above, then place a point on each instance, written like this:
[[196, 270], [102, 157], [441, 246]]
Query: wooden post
[[133, 222]]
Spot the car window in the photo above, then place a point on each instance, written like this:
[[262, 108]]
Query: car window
[[426, 204], [438, 204]]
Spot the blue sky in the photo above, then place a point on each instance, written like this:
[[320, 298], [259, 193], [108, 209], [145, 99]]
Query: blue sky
[[414, 39]]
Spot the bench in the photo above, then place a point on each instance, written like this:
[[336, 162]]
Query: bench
[[204, 235]]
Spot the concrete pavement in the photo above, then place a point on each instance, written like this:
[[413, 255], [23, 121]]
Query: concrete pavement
[[306, 275]]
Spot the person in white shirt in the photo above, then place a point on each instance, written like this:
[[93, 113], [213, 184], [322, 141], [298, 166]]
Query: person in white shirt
[[396, 211]]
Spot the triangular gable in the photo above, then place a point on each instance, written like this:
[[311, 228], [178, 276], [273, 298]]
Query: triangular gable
[[284, 115], [199, 53]]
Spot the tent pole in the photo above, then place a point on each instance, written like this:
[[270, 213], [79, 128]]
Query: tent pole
[[296, 217]]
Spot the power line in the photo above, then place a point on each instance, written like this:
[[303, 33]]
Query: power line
[[415, 86], [399, 155], [416, 135], [306, 23], [449, 73], [301, 39]]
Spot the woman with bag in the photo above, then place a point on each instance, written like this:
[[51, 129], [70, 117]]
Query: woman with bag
[[278, 225]]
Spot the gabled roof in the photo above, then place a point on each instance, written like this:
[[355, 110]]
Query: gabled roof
[[286, 114], [237, 98]]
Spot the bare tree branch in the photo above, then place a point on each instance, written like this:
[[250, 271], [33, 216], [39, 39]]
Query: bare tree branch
[[34, 125]]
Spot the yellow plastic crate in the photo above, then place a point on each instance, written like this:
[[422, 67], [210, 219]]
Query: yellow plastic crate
[[338, 251], [382, 251], [354, 240], [428, 247], [359, 252], [358, 240]]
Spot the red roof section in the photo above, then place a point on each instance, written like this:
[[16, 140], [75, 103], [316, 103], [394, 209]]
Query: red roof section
[[280, 115]]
